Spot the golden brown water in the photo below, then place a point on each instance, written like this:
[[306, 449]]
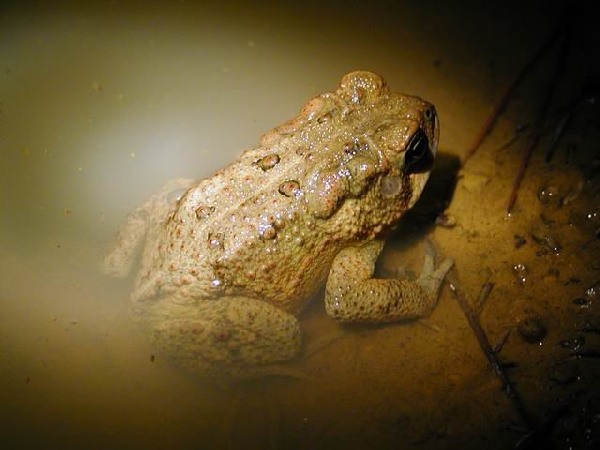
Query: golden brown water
[[101, 104]]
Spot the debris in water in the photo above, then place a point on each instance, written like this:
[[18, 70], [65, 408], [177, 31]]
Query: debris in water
[[520, 272], [520, 241], [582, 302], [532, 330], [546, 240], [593, 291], [501, 342], [546, 194], [589, 327], [573, 344], [445, 220], [573, 193]]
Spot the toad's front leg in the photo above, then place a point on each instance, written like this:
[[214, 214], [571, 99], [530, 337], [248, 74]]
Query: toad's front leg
[[353, 295]]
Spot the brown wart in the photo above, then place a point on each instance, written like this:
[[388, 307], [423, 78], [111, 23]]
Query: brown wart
[[289, 188], [268, 162]]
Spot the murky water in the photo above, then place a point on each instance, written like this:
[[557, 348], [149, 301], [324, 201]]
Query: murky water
[[101, 104]]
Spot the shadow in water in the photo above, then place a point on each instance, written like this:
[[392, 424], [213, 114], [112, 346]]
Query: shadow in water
[[437, 195]]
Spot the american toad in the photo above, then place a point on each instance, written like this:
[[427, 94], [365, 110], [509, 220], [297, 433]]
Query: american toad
[[229, 263]]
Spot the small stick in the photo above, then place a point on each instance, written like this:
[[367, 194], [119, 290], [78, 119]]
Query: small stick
[[505, 97], [480, 334], [537, 129], [515, 137], [500, 344], [562, 125], [484, 293], [473, 321]]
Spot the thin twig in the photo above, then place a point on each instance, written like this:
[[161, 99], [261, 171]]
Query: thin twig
[[514, 138], [484, 293], [558, 132], [500, 344], [537, 129], [506, 95], [479, 334], [482, 339]]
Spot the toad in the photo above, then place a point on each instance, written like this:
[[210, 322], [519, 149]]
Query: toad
[[229, 262]]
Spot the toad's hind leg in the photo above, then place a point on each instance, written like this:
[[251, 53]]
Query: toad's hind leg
[[229, 337], [122, 252]]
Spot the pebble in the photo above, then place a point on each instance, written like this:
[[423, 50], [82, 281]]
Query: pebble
[[473, 182], [532, 329], [445, 220], [547, 193]]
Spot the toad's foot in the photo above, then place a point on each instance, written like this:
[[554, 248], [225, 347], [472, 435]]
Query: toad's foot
[[121, 254], [430, 278], [353, 295], [233, 337]]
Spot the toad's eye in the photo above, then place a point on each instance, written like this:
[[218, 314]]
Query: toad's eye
[[428, 114], [418, 156]]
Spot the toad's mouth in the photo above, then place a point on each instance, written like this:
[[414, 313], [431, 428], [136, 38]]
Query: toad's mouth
[[436, 135]]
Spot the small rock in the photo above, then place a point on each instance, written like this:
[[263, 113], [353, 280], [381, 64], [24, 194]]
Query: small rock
[[473, 182], [532, 329], [547, 194], [445, 220]]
